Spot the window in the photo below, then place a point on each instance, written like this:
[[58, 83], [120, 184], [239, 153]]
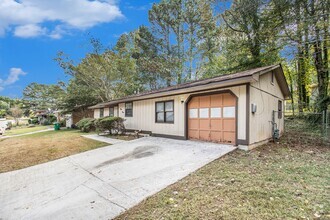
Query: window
[[203, 113], [280, 109], [229, 112], [165, 112], [111, 112], [272, 80], [129, 109], [101, 112], [193, 113], [215, 112]]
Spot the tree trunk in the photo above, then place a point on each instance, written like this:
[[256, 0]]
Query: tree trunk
[[306, 58], [292, 92], [321, 65], [301, 82], [191, 47], [169, 54]]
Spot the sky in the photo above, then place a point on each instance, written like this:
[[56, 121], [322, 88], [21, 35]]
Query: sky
[[32, 32]]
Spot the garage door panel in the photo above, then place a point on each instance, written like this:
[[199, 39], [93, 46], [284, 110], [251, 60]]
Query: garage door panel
[[216, 100], [229, 125], [194, 103], [204, 135], [193, 134], [216, 136], [204, 101], [216, 124], [204, 124], [228, 137], [228, 100], [194, 124]]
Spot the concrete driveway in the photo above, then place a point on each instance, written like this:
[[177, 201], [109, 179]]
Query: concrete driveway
[[102, 183]]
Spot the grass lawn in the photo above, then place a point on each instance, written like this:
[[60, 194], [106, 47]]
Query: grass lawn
[[23, 130], [290, 180], [25, 151]]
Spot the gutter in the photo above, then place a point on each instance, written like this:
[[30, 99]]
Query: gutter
[[179, 91]]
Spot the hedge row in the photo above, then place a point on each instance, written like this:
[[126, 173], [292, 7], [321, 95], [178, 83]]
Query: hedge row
[[113, 125]]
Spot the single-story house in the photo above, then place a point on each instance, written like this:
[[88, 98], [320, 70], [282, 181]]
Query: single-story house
[[41, 115], [235, 109]]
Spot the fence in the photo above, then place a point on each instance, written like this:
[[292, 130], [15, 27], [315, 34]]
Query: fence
[[316, 124]]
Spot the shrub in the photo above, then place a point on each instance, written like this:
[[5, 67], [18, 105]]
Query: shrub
[[33, 121], [9, 125], [46, 122], [86, 124], [110, 124], [52, 118], [63, 123]]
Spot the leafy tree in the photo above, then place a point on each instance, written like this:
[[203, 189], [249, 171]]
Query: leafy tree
[[78, 95], [16, 112], [161, 29], [108, 72], [192, 39], [42, 97], [186, 33], [4, 107], [305, 23], [208, 39], [254, 29]]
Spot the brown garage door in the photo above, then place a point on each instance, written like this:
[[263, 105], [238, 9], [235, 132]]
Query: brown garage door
[[212, 118]]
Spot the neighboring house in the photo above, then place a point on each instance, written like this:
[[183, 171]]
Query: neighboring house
[[41, 115], [74, 115], [233, 109], [81, 112]]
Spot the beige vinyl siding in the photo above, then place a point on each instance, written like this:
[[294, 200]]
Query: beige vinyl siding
[[260, 125], [96, 113], [115, 111], [144, 114], [106, 111]]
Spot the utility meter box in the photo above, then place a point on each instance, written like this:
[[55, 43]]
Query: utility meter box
[[253, 108]]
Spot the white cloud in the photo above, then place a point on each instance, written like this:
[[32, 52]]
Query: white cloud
[[29, 30], [28, 17], [14, 74]]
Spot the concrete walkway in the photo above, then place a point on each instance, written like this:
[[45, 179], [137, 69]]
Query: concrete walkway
[[33, 132], [103, 139], [102, 183]]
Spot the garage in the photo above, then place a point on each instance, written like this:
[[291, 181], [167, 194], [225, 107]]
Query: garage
[[212, 117]]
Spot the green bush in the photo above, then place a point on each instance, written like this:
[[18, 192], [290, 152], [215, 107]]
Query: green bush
[[9, 125], [63, 123], [113, 125], [86, 124], [110, 124], [46, 122], [52, 118], [33, 121]]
